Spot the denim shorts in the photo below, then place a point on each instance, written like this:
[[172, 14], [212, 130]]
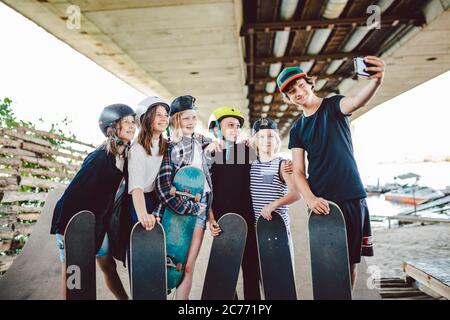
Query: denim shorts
[[102, 252], [201, 218]]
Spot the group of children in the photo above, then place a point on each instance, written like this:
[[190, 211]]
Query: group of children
[[245, 177]]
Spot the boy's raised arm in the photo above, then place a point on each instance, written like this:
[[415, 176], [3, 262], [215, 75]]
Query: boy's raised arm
[[352, 103]]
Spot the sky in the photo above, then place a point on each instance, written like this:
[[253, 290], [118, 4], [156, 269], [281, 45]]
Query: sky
[[411, 126], [47, 79]]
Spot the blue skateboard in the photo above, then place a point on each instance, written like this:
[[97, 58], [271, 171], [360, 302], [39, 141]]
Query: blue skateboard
[[189, 182]]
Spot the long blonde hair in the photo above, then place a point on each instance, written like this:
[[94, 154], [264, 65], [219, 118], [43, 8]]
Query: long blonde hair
[[176, 133]]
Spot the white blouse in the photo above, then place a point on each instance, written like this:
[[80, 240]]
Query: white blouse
[[143, 168]]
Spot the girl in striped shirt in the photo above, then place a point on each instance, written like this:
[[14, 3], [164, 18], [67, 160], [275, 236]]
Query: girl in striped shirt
[[272, 187]]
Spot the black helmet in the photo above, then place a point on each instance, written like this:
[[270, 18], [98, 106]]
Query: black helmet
[[263, 123], [182, 103], [113, 113]]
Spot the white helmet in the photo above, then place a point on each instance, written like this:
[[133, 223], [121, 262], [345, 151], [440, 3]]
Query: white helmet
[[147, 104]]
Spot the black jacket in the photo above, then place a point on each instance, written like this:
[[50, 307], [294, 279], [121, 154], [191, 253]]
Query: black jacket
[[93, 188]]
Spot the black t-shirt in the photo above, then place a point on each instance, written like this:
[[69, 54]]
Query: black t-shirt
[[231, 181], [326, 137], [93, 188]]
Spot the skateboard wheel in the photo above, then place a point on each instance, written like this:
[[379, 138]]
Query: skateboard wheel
[[179, 267], [198, 197], [173, 191]]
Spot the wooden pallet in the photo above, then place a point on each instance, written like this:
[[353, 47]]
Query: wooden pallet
[[433, 275], [400, 289]]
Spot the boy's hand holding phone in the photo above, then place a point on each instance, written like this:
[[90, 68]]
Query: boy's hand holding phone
[[371, 67]]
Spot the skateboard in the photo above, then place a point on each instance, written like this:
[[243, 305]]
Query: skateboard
[[277, 274], [189, 182], [148, 263], [79, 246], [225, 258], [329, 255]]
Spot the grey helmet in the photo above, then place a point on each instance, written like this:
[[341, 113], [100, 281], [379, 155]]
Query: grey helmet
[[113, 113], [147, 104]]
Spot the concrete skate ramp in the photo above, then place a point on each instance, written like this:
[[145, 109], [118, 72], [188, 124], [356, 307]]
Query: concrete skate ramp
[[36, 272]]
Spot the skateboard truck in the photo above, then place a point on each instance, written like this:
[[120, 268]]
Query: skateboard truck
[[173, 191], [171, 264]]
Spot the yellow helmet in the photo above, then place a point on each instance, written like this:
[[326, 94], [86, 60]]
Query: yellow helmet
[[224, 112]]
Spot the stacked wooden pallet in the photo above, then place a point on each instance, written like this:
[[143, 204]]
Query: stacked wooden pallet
[[400, 289], [31, 163], [433, 275]]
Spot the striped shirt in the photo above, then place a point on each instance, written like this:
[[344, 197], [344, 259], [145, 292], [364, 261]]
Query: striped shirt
[[267, 186]]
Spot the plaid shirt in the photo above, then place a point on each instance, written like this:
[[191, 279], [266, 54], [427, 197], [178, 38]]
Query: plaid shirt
[[177, 156]]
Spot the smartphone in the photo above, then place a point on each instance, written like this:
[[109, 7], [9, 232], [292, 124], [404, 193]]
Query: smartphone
[[360, 67]]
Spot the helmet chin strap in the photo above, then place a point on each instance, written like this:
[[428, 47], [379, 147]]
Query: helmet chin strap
[[222, 137], [117, 140]]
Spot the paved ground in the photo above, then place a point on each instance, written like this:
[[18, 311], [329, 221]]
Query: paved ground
[[35, 274]]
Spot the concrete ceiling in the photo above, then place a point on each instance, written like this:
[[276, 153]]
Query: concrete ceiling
[[176, 47], [168, 47], [419, 57]]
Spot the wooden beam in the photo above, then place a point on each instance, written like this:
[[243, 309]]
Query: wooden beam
[[25, 137], [10, 161], [268, 27], [263, 93], [407, 218], [54, 136], [427, 280], [15, 152], [14, 196], [28, 216], [339, 76], [5, 245], [40, 183], [49, 151], [12, 209], [306, 57], [6, 142], [46, 173], [50, 164], [251, 57]]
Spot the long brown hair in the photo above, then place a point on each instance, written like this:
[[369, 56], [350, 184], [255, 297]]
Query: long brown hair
[[146, 133]]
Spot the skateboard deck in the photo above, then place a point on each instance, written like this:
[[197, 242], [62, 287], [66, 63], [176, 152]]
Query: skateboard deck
[[225, 258], [188, 181], [148, 263], [329, 255], [79, 246], [277, 274]]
